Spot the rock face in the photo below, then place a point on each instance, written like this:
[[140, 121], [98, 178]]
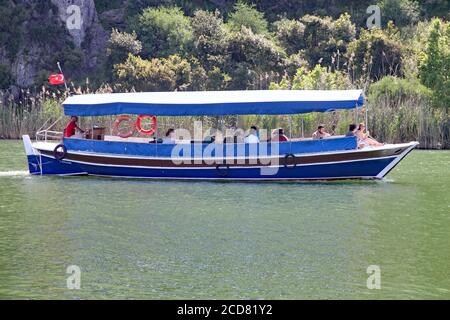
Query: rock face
[[81, 20], [36, 56], [79, 17]]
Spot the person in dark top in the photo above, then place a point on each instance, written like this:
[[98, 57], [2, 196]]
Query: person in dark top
[[351, 130]]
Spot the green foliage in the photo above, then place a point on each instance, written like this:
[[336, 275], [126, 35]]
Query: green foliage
[[400, 111], [292, 63], [252, 56], [121, 44], [398, 90], [435, 63], [375, 55], [165, 74], [210, 38], [105, 5], [326, 40], [6, 78], [11, 32], [52, 109], [290, 34], [245, 15], [401, 12], [318, 78], [436, 8], [135, 7], [213, 79], [164, 31]]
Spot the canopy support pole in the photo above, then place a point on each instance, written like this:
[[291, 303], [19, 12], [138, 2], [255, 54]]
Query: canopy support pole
[[303, 127], [290, 132], [290, 127], [367, 116]]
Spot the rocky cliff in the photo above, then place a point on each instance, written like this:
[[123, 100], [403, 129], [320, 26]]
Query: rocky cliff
[[41, 32]]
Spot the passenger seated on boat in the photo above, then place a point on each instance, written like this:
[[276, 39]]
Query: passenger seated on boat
[[364, 139], [170, 137], [233, 139], [351, 130], [71, 128], [278, 136], [320, 133], [252, 136]]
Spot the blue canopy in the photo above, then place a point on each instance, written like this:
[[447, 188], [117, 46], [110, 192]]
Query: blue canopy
[[213, 103]]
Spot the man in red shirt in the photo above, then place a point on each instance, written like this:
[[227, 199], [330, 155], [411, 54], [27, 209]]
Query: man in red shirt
[[72, 127]]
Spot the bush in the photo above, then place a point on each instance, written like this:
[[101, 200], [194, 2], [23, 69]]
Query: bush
[[210, 39], [435, 63], [245, 15], [121, 44], [318, 78], [326, 40], [6, 79], [401, 12], [290, 34], [252, 56], [398, 90], [154, 74], [375, 55], [164, 31]]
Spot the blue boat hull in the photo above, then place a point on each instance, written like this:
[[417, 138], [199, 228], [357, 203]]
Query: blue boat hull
[[365, 169], [309, 160]]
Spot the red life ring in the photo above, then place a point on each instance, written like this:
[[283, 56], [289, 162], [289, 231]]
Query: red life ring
[[117, 123], [150, 131]]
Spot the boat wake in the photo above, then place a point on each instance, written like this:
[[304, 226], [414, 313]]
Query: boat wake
[[14, 174]]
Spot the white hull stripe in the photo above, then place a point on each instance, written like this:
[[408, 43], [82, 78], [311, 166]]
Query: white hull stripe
[[50, 147]]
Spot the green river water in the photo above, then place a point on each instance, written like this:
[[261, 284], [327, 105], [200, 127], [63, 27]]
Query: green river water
[[183, 240]]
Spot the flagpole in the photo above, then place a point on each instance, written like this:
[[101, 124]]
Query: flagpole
[[60, 70]]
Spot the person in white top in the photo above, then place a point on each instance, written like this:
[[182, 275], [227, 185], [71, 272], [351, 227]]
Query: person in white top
[[320, 133], [170, 137], [252, 136]]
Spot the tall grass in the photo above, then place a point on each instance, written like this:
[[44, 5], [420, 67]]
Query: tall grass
[[28, 114]]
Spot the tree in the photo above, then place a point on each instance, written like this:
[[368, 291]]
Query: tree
[[164, 31], [210, 38], [252, 56], [120, 45], [435, 63], [290, 34], [401, 12], [374, 55], [245, 15], [6, 78], [326, 40]]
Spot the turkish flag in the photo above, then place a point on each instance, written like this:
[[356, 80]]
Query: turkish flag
[[56, 79]]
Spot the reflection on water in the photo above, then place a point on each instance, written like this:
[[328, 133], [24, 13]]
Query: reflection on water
[[143, 239]]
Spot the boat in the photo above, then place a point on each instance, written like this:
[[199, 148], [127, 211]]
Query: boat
[[333, 158]]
